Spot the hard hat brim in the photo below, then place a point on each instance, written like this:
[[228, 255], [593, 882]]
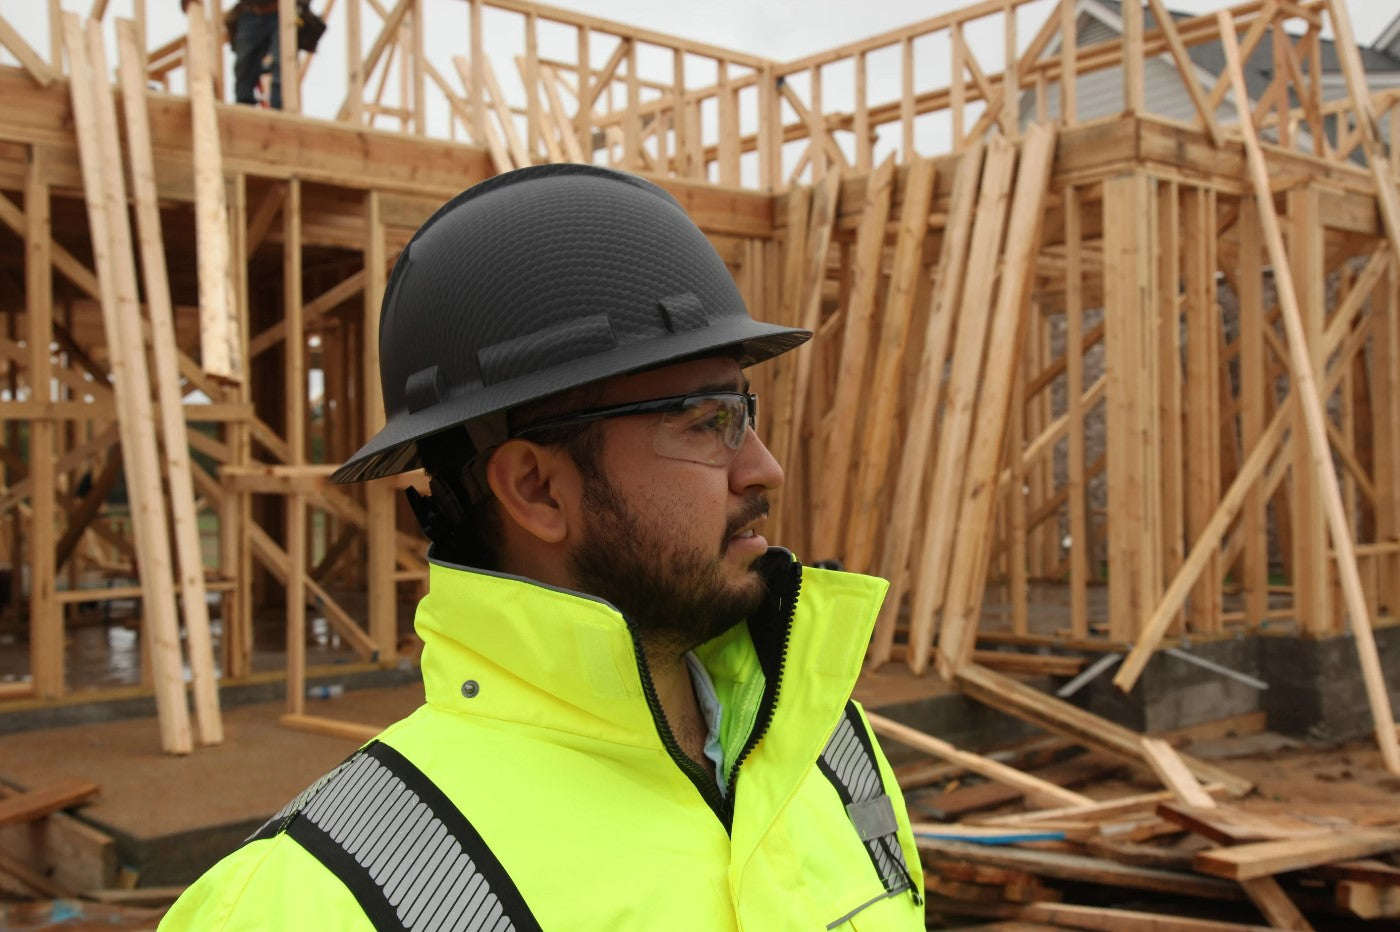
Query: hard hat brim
[[393, 449]]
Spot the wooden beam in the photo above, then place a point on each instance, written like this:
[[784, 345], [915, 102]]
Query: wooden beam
[[21, 50], [221, 353], [946, 479], [63, 793], [1267, 858], [1033, 787], [111, 242], [967, 574], [923, 409], [175, 447], [1030, 704], [45, 620], [1174, 774], [843, 422]]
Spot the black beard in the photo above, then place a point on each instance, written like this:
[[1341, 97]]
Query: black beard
[[676, 599]]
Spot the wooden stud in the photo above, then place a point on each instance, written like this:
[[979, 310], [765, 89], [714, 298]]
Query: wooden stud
[[1133, 96], [286, 63], [175, 447], [973, 317], [957, 634], [829, 508], [355, 67], [379, 497], [45, 619], [1202, 451], [220, 350], [106, 205], [923, 411], [1074, 359], [878, 444], [1169, 410]]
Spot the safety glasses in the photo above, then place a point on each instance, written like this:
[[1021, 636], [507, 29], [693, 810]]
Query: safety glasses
[[708, 427]]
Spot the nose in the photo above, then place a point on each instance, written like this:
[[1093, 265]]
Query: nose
[[754, 467]]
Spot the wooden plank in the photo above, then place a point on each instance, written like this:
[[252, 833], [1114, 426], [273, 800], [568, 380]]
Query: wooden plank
[[62, 848], [953, 804], [878, 415], [1105, 919], [923, 409], [379, 497], [1202, 389], [1229, 826], [1082, 869], [1032, 705], [286, 63], [1368, 900], [1266, 858], [1030, 664], [1186, 69], [220, 350], [843, 422], [1269, 897], [992, 770], [111, 244], [1174, 774], [320, 725], [1388, 198], [175, 448], [1202, 551], [792, 422], [31, 60], [45, 619], [957, 634], [946, 478], [64, 793], [1303, 376]]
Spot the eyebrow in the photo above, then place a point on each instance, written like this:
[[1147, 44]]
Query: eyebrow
[[742, 386]]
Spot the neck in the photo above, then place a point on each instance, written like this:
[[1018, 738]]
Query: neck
[[676, 692]]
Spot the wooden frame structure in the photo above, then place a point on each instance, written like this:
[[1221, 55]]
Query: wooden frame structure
[[1043, 356]]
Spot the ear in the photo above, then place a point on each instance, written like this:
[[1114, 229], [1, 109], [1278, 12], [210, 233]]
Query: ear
[[534, 485]]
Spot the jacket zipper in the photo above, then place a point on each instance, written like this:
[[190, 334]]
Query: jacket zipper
[[723, 806], [708, 791], [770, 695]]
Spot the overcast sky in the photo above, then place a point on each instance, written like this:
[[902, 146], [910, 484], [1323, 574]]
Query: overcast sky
[[782, 30], [779, 29]]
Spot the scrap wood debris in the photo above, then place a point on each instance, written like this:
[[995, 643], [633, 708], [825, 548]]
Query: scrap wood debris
[[1193, 857]]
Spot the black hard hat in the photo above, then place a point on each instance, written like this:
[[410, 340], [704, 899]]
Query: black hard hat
[[538, 281]]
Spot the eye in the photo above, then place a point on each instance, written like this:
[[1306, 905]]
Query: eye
[[707, 417]]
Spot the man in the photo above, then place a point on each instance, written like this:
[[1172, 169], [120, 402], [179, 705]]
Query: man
[[255, 36], [637, 712]]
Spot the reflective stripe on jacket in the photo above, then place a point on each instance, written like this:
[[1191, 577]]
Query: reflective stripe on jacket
[[537, 788]]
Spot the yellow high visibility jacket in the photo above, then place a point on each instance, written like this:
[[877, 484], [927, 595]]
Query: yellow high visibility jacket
[[539, 786]]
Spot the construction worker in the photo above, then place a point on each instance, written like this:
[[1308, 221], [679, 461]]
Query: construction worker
[[638, 714]]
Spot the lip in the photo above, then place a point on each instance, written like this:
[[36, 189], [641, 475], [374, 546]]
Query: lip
[[746, 542]]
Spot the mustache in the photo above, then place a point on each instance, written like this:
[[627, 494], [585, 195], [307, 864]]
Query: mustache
[[751, 510]]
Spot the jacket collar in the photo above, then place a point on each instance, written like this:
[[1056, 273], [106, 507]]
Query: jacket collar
[[567, 662]]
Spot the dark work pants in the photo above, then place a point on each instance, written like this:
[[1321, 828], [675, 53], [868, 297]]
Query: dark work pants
[[253, 40]]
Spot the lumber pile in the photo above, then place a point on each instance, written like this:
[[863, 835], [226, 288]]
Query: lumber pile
[[1016, 835]]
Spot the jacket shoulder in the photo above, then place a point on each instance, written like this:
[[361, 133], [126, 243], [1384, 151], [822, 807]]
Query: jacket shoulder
[[271, 883]]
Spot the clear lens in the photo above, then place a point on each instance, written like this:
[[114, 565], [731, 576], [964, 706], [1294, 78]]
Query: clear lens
[[710, 429]]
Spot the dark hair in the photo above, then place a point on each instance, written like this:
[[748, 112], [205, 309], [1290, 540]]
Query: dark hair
[[469, 532]]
